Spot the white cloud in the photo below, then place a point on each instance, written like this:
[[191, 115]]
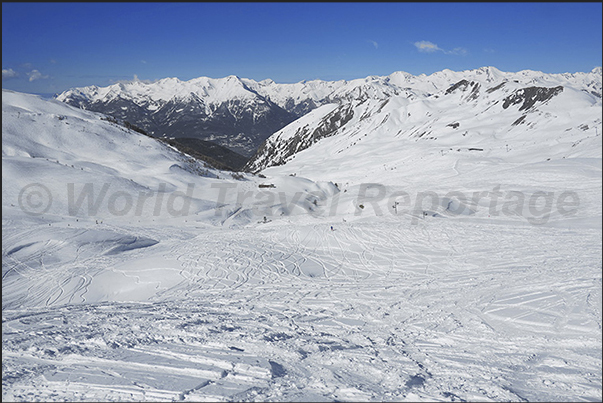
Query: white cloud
[[35, 75], [8, 73], [457, 51], [430, 47], [375, 44], [135, 80], [427, 47]]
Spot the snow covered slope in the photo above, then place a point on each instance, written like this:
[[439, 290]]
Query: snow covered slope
[[72, 179], [53, 144]]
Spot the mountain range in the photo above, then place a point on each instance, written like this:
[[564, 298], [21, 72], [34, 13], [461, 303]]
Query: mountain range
[[241, 114], [480, 109]]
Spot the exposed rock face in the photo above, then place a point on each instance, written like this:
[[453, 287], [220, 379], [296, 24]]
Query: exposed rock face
[[498, 87], [529, 96], [463, 84], [276, 150]]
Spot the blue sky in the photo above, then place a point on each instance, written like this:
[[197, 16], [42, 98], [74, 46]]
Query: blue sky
[[51, 47]]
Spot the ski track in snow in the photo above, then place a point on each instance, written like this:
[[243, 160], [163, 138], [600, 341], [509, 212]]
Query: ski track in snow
[[370, 311]]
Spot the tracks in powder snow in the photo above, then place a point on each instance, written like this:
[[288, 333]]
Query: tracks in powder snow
[[370, 311]]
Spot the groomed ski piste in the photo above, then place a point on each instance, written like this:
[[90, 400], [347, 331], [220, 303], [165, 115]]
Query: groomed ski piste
[[396, 269]]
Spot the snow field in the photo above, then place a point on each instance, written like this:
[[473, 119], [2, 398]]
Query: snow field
[[370, 311]]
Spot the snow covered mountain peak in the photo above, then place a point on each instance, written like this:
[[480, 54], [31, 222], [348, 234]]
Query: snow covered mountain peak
[[491, 73], [164, 89], [399, 77]]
